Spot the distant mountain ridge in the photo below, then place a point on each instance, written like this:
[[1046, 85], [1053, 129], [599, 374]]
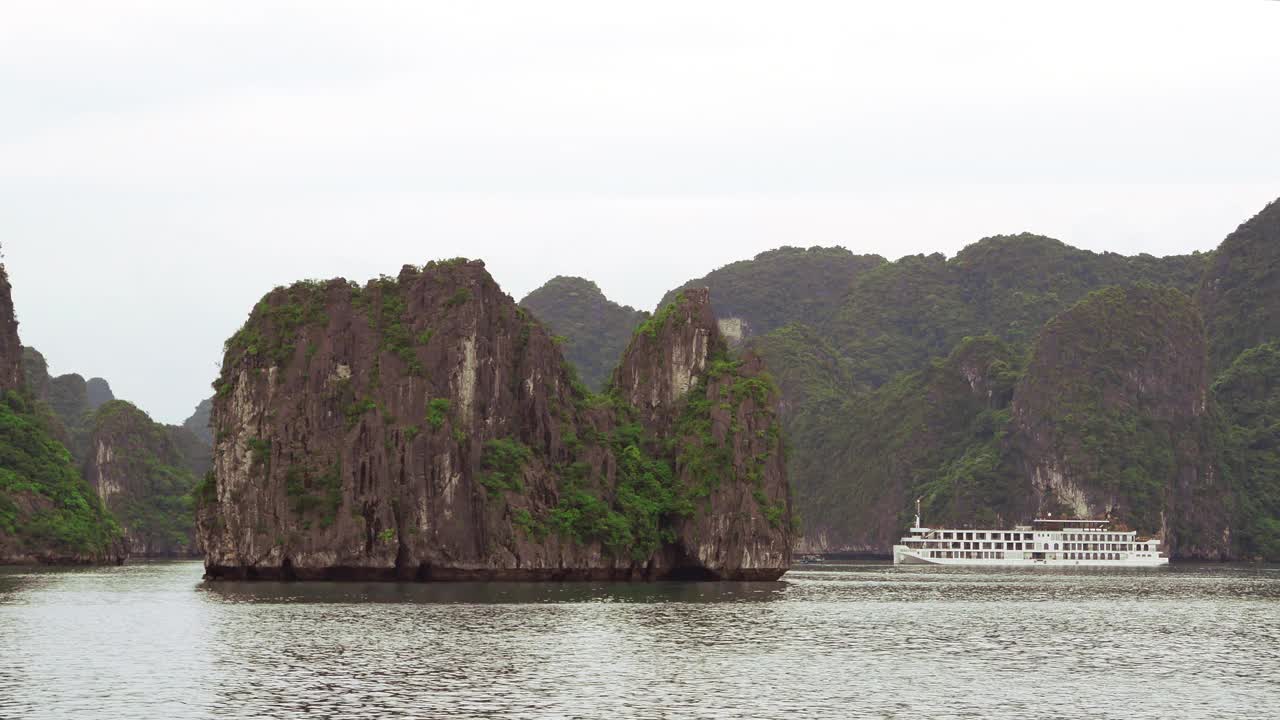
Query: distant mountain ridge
[[595, 329], [935, 357], [134, 476]]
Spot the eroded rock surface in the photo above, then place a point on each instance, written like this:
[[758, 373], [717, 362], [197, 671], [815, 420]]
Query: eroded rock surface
[[425, 427]]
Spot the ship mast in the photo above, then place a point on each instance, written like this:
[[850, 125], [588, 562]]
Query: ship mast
[[918, 512]]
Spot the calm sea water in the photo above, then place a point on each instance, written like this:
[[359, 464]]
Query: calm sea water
[[834, 640]]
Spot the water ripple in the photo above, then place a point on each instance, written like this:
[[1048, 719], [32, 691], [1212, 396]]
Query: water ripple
[[832, 641]]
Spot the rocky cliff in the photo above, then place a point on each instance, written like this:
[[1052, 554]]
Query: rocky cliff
[[12, 376], [47, 513], [426, 427], [142, 474]]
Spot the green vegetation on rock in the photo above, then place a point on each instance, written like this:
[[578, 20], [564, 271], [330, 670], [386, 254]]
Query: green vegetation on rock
[[314, 494], [596, 330], [502, 465], [1240, 293], [646, 499], [151, 479], [45, 505], [273, 327], [782, 286], [1249, 393]]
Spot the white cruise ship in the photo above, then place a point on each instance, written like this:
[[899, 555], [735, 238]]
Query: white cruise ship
[[1046, 542]]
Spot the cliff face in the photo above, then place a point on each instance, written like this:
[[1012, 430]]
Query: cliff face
[[425, 427], [721, 415], [141, 474], [11, 373], [1113, 417], [667, 357]]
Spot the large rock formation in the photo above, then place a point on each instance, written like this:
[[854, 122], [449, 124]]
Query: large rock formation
[[722, 416], [143, 473], [1113, 418], [425, 427]]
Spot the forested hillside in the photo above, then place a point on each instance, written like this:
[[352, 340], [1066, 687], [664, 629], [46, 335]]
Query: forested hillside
[[594, 330], [1025, 376]]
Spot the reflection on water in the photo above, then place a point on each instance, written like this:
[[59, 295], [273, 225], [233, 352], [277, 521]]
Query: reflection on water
[[492, 593], [832, 640]]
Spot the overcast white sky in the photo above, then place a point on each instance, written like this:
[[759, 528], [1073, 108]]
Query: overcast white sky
[[163, 164]]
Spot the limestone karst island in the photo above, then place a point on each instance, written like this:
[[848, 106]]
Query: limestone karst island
[[664, 360], [425, 426]]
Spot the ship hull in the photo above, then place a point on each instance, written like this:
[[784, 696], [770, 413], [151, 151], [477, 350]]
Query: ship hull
[[905, 556]]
